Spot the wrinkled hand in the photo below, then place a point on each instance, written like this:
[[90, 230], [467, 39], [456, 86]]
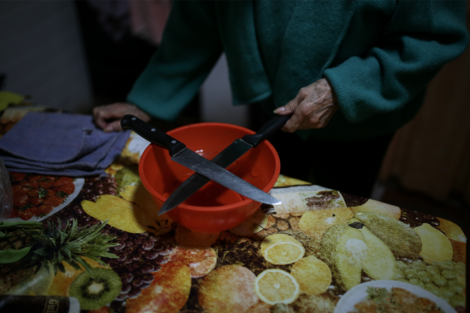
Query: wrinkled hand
[[313, 107], [108, 117]]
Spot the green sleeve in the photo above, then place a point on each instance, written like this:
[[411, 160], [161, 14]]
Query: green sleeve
[[189, 49], [419, 39]]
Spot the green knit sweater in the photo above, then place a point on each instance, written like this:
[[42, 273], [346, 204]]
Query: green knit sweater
[[379, 55]]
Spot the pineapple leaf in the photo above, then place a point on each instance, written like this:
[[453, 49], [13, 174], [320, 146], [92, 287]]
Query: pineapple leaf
[[108, 255], [73, 264], [82, 262], [97, 260], [59, 224], [64, 249], [60, 257], [63, 237], [41, 251], [73, 230], [61, 267]]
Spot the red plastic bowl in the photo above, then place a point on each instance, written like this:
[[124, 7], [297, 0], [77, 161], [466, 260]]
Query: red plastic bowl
[[213, 208]]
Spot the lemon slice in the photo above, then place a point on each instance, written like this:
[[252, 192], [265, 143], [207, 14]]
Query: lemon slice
[[281, 249], [276, 286]]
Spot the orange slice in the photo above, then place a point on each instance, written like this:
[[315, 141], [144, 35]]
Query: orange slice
[[228, 289], [200, 261]]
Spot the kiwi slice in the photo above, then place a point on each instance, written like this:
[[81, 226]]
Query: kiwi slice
[[95, 288]]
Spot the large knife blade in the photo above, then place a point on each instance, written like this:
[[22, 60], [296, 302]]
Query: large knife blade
[[229, 155], [186, 157]]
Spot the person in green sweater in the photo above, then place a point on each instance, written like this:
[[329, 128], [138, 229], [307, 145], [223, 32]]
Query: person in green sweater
[[350, 73]]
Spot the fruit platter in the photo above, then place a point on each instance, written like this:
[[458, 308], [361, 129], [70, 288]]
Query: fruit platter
[[320, 251]]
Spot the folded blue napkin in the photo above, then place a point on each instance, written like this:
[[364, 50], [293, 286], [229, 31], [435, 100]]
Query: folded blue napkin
[[60, 144]]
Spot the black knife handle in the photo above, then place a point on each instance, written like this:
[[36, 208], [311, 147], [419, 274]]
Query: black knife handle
[[152, 134], [267, 129]]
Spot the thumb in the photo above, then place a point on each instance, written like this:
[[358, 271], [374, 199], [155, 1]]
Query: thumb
[[288, 108], [114, 126]]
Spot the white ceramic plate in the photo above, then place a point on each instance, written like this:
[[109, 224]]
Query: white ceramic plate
[[78, 182], [359, 293]]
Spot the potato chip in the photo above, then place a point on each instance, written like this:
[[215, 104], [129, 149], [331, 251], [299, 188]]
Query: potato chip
[[312, 274], [284, 181], [435, 245], [315, 223], [120, 213], [452, 230], [379, 207], [254, 224]]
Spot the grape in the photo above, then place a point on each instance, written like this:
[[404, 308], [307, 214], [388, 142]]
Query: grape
[[449, 274], [431, 288], [151, 255], [439, 280], [122, 258], [399, 274], [433, 270], [455, 286], [145, 285], [148, 278], [121, 297], [410, 273], [418, 265], [457, 300], [460, 268], [156, 268], [162, 259], [424, 276], [445, 265], [446, 293], [134, 293], [148, 245], [137, 241], [126, 287], [401, 265], [127, 277], [147, 268], [137, 282], [416, 282]]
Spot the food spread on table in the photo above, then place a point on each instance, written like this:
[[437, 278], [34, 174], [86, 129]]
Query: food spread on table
[[38, 195], [302, 257]]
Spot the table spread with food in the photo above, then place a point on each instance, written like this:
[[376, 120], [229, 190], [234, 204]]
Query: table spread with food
[[97, 243]]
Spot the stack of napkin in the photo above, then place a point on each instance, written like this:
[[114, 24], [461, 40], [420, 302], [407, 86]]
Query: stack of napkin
[[60, 144]]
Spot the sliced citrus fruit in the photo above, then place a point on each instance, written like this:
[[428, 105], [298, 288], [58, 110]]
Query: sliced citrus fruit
[[168, 292], [281, 249], [276, 286], [312, 274], [200, 261], [228, 289]]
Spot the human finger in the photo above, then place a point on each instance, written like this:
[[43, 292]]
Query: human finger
[[113, 126]]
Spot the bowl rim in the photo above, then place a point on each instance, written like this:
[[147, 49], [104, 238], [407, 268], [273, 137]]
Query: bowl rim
[[226, 207]]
